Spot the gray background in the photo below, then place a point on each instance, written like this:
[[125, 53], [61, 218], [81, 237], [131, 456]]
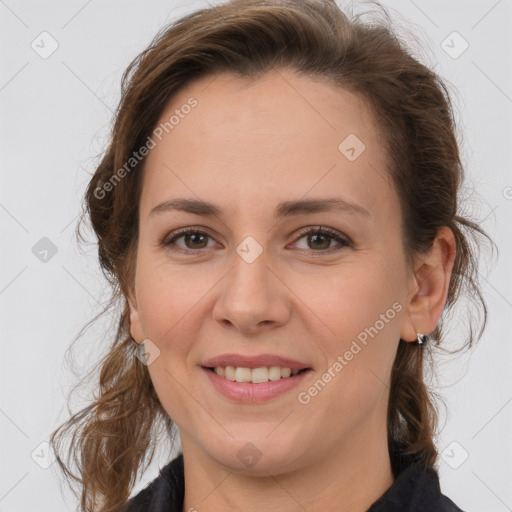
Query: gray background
[[55, 115]]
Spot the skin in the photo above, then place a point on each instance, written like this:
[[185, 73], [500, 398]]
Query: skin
[[247, 146]]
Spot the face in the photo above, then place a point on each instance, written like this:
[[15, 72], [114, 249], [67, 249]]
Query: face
[[256, 277]]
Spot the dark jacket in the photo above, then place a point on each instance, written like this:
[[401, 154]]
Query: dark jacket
[[415, 489]]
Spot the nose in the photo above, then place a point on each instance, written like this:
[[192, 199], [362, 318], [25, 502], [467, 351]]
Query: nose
[[253, 297]]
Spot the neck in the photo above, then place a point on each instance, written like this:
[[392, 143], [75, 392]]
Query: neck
[[347, 480]]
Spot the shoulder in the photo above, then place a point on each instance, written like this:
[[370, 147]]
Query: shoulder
[[448, 505], [416, 489], [164, 493]]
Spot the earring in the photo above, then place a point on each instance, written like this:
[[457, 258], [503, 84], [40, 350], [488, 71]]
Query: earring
[[421, 338]]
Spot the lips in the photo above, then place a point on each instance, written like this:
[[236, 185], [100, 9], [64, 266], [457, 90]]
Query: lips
[[246, 361]]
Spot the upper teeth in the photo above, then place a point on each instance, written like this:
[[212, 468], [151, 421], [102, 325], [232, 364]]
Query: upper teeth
[[255, 375]]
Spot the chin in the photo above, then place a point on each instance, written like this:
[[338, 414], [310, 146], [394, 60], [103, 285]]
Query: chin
[[257, 455]]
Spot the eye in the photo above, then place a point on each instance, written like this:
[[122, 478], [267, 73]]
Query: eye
[[195, 239], [320, 238]]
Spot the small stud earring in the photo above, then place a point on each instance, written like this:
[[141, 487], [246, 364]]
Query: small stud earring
[[421, 338]]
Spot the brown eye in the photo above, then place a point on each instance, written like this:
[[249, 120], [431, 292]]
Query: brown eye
[[320, 240], [193, 240]]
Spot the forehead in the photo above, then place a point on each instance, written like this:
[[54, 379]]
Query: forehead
[[276, 138]]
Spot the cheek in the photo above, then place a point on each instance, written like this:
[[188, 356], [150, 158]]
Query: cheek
[[171, 305], [168, 294], [362, 314], [168, 301], [353, 301], [353, 384]]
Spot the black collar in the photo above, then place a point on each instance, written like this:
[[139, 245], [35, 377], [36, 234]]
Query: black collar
[[415, 489]]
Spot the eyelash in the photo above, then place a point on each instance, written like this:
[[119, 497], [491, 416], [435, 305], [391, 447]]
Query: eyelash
[[167, 242]]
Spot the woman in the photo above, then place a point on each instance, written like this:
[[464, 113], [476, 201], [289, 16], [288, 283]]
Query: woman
[[277, 214]]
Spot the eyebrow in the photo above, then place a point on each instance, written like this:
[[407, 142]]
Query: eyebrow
[[285, 209]]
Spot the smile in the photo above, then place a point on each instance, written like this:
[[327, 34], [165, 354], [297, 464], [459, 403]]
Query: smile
[[237, 384], [255, 375]]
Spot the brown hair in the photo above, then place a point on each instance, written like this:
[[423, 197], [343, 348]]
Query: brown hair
[[114, 438]]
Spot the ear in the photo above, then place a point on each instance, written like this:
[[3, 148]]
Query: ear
[[135, 324], [429, 286]]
